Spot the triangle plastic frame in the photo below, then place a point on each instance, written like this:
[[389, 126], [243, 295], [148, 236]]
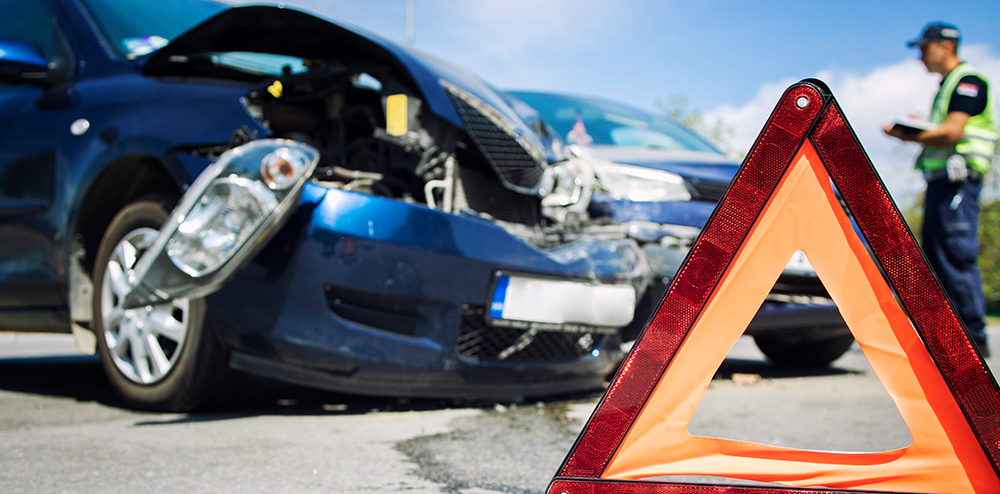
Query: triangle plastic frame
[[806, 111]]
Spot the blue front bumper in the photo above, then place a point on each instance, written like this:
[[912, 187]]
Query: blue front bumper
[[367, 295]]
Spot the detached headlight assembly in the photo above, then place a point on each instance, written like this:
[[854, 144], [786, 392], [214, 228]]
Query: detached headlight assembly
[[637, 183], [227, 215], [251, 182]]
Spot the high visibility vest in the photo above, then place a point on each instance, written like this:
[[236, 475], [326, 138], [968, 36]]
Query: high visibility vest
[[979, 138]]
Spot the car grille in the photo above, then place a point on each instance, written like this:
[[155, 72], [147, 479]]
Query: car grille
[[703, 190], [479, 341], [484, 193], [512, 162]]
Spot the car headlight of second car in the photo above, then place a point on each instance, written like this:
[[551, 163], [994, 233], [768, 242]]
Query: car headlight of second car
[[637, 183]]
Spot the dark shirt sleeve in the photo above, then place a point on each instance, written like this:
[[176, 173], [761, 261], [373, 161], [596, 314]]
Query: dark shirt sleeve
[[969, 97]]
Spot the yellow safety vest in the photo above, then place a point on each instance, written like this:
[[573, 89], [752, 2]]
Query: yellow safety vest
[[979, 138]]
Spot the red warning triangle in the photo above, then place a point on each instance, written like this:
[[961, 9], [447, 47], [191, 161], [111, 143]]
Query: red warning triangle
[[782, 200]]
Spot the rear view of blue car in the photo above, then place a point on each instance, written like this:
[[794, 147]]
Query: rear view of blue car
[[198, 192]]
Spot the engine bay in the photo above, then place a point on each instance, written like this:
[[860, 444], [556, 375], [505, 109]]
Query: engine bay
[[377, 137]]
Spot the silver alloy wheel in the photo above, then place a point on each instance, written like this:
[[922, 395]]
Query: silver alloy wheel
[[145, 342]]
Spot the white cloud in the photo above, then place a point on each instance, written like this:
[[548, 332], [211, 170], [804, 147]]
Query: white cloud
[[868, 101]]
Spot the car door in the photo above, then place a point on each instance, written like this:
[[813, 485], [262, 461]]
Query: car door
[[32, 266]]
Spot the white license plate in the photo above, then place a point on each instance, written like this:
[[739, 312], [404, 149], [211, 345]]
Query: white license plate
[[539, 300]]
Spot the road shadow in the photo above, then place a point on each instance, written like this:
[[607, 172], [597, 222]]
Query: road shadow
[[78, 377], [262, 396], [81, 378], [768, 370]]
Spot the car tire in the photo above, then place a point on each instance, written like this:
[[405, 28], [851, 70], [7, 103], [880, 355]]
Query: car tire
[[163, 357], [794, 351]]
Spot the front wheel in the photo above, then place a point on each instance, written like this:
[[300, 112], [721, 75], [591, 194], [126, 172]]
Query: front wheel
[[158, 357], [795, 350]]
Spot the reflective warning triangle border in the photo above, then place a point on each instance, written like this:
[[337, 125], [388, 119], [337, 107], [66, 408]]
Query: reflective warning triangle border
[[806, 111]]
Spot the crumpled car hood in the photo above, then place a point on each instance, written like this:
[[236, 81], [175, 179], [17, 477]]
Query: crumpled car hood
[[282, 31], [259, 29]]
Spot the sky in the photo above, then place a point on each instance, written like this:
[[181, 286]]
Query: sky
[[731, 59]]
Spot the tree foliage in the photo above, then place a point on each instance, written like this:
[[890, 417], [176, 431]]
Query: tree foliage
[[989, 251], [678, 107]]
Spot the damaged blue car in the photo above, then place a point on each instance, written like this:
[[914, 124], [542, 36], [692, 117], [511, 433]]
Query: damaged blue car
[[198, 192]]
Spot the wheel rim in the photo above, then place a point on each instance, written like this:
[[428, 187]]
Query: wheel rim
[[144, 342]]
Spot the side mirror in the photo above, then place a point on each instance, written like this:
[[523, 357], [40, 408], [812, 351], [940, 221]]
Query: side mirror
[[22, 63]]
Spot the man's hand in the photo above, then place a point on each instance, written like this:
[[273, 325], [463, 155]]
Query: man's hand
[[947, 134], [891, 130]]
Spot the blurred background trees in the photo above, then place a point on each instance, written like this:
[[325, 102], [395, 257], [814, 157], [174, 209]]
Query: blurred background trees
[[678, 107]]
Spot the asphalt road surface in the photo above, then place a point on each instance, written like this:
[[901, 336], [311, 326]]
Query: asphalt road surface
[[63, 430]]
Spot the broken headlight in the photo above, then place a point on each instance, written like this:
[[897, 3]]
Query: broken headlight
[[227, 213], [226, 216], [636, 183], [253, 180]]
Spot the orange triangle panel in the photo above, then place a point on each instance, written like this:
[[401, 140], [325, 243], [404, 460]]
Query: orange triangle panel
[[781, 201]]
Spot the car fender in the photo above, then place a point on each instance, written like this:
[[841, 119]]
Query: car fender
[[150, 126]]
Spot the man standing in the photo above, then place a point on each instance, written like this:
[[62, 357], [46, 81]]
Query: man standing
[[958, 151]]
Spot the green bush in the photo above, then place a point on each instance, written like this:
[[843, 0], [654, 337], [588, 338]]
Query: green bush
[[914, 215], [989, 251]]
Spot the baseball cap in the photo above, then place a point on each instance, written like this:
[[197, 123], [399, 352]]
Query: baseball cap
[[934, 31]]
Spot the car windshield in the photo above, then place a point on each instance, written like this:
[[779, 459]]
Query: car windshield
[[595, 122], [138, 27]]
